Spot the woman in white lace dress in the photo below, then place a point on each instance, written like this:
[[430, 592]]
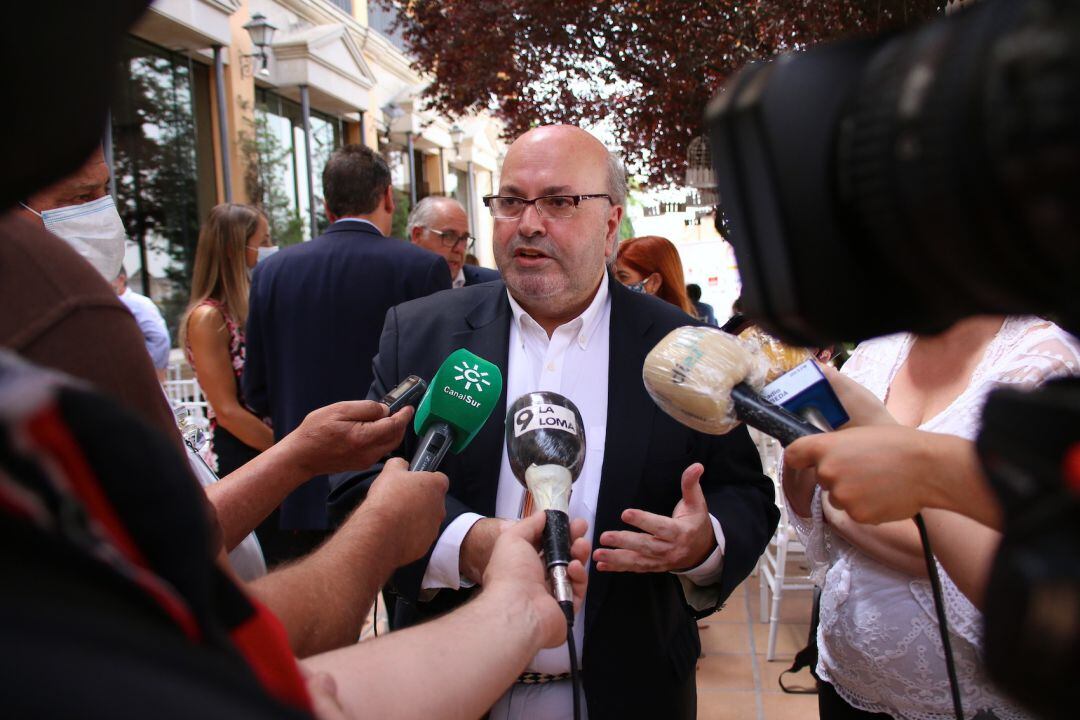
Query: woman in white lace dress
[[880, 652]]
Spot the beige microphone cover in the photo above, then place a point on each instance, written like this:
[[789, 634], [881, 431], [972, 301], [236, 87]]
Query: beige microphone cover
[[781, 356], [690, 374]]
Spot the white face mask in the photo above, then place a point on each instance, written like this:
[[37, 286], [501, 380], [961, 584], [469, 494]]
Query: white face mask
[[265, 252], [94, 229]]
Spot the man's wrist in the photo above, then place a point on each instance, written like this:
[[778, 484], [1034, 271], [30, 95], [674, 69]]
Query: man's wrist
[[476, 548], [292, 458]]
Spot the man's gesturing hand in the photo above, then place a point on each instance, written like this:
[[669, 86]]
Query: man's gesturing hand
[[517, 571], [680, 542], [350, 435], [410, 506]]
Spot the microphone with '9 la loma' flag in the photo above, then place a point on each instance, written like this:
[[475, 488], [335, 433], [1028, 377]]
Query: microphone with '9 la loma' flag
[[545, 444], [458, 401], [705, 379]]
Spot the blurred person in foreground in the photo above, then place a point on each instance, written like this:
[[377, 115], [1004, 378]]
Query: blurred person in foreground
[[874, 576], [113, 586], [650, 264], [114, 578], [233, 239], [151, 323], [439, 224], [62, 315]]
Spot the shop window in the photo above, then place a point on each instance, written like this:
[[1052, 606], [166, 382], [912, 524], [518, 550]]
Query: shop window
[[163, 168], [281, 169]]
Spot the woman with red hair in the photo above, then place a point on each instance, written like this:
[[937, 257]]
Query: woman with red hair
[[650, 264]]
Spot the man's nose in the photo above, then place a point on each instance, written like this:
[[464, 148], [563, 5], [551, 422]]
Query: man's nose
[[531, 222]]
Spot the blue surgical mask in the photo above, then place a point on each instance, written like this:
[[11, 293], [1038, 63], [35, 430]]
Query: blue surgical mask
[[93, 229], [638, 287]]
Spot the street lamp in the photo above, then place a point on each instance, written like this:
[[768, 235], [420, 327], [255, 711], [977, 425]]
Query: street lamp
[[456, 136], [261, 32]]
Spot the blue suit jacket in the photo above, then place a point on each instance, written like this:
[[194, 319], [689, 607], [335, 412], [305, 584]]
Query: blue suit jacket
[[314, 322], [474, 274]]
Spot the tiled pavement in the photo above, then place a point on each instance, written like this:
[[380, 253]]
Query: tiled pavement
[[735, 682]]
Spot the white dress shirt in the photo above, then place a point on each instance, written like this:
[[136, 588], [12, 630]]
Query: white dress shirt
[[459, 279], [359, 220], [572, 362], [151, 324]]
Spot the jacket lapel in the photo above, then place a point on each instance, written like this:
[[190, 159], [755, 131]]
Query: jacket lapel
[[487, 335], [630, 417]]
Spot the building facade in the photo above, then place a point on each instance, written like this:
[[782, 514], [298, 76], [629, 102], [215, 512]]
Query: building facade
[[204, 115]]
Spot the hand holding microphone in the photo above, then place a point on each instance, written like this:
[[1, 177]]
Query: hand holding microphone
[[515, 572], [545, 444]]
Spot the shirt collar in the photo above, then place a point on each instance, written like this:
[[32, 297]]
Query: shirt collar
[[459, 280], [359, 220], [586, 324]]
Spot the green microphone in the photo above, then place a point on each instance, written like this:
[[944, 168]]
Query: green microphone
[[458, 401]]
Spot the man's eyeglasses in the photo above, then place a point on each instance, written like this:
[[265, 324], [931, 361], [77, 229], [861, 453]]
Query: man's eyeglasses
[[508, 207], [450, 238]]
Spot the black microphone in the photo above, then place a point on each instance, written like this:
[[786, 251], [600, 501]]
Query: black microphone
[[545, 444]]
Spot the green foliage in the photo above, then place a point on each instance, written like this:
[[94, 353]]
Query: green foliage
[[267, 165], [626, 228], [154, 166], [401, 214]]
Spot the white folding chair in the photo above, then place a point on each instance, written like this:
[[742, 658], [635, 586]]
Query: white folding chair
[[184, 394], [784, 552]]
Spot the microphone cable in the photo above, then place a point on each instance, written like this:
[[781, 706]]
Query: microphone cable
[[939, 607], [575, 672]]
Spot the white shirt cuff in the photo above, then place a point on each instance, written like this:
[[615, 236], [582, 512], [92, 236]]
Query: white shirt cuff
[[443, 567], [709, 571]]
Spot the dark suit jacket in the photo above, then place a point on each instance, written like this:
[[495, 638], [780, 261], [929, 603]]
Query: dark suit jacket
[[641, 639], [316, 313], [705, 312], [474, 274]]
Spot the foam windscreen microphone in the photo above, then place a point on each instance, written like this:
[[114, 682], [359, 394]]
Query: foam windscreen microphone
[[458, 401], [545, 444], [705, 378]]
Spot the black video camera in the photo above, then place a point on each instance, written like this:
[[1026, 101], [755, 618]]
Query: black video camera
[[907, 181]]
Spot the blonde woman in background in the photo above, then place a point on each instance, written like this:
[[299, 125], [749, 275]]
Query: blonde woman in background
[[233, 239]]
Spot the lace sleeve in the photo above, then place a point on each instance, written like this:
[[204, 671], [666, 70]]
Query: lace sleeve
[[1043, 351]]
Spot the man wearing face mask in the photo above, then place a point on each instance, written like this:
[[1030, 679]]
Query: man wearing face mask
[[49, 312]]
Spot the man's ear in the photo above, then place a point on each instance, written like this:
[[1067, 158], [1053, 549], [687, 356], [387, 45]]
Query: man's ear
[[614, 223], [414, 235], [388, 200], [330, 217]]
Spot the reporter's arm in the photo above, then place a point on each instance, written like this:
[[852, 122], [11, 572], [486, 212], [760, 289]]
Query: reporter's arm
[[458, 665], [890, 472], [894, 544], [351, 434], [965, 548], [322, 600], [209, 341]]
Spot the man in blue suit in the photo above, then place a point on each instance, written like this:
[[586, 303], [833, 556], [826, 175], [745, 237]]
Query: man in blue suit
[[315, 317], [439, 224]]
